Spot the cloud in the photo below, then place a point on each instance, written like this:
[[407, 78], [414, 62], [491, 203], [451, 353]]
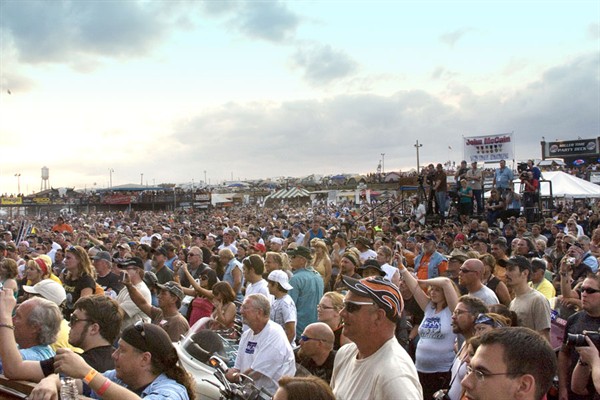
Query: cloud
[[323, 65], [59, 32], [267, 20], [347, 133], [451, 38]]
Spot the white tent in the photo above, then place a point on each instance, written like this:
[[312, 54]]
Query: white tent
[[565, 185]]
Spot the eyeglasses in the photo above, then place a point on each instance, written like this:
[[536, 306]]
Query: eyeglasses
[[589, 290], [354, 306], [480, 375], [304, 338], [320, 307], [466, 271], [193, 255], [75, 319]]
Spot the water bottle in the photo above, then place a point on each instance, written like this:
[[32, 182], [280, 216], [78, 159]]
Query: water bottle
[[68, 389]]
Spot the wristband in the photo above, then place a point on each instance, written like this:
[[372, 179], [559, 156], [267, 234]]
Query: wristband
[[7, 326], [90, 375], [103, 388]]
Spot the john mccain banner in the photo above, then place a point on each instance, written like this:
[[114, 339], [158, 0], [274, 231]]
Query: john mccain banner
[[489, 148]]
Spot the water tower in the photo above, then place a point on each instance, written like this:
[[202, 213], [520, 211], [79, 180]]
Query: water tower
[[45, 177]]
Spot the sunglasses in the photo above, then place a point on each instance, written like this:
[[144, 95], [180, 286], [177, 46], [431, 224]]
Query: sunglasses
[[304, 338], [465, 271], [75, 319], [354, 306], [589, 290]]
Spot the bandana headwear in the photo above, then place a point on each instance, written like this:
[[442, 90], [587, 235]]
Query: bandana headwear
[[42, 265], [383, 292]]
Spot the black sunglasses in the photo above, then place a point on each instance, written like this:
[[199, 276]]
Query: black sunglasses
[[354, 306], [589, 290]]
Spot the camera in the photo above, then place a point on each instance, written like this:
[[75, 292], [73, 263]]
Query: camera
[[524, 175], [578, 340], [570, 260]]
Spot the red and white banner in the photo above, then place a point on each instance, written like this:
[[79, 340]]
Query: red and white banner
[[489, 148]]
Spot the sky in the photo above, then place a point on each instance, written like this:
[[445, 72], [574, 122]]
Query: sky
[[176, 91]]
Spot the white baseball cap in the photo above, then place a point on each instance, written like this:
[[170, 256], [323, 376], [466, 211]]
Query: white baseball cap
[[48, 289], [280, 277]]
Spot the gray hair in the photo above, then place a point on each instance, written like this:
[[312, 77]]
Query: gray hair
[[46, 315], [261, 302]]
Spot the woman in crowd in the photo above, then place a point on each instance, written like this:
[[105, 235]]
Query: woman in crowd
[[233, 272], [8, 274], [321, 261], [225, 310], [79, 280], [435, 349], [301, 388], [349, 265], [465, 204], [328, 311], [489, 321], [202, 304], [492, 281], [144, 252], [273, 261]]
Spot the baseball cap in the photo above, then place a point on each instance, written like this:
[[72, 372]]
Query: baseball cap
[[385, 294], [48, 289], [364, 241], [150, 279], [277, 240], [371, 263], [103, 255], [280, 277], [300, 251], [156, 236], [131, 262], [259, 247], [173, 288], [430, 237], [161, 250], [153, 339]]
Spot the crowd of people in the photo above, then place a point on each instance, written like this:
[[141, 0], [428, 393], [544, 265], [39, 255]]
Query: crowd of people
[[337, 301]]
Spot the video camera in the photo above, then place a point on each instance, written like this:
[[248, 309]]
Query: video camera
[[578, 340]]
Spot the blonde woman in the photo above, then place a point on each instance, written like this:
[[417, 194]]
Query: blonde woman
[[328, 312], [321, 261], [80, 279]]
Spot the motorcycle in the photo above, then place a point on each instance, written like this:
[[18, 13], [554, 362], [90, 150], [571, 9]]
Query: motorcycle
[[245, 390], [195, 350]]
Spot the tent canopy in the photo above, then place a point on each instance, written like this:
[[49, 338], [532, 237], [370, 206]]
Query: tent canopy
[[565, 185], [291, 193]]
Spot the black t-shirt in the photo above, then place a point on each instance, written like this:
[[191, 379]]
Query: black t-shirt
[[73, 289], [577, 323], [322, 371], [110, 281]]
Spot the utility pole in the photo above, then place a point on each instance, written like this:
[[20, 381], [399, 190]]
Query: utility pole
[[417, 145]]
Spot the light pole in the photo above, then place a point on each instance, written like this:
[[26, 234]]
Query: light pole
[[382, 163], [141, 178], [18, 175], [205, 183], [417, 145], [110, 172]]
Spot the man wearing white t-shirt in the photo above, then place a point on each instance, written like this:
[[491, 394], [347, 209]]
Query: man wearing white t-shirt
[[374, 366], [265, 354]]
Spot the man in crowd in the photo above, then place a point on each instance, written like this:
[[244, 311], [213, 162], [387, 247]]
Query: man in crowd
[[374, 366], [430, 263], [135, 271], [588, 319], [474, 177], [470, 275], [265, 354], [163, 273], [34, 327], [532, 308], [316, 352], [503, 177], [440, 186], [307, 287], [95, 325], [253, 268], [110, 282], [464, 316], [510, 363], [538, 279]]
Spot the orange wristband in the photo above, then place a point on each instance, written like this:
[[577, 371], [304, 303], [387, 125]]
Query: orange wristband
[[90, 375]]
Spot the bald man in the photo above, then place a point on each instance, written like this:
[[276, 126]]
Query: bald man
[[470, 275], [316, 352]]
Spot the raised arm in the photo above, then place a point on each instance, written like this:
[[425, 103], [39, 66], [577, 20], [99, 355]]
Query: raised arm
[[136, 296], [413, 285], [447, 287]]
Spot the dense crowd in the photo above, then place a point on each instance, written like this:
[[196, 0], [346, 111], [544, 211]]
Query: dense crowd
[[370, 301]]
